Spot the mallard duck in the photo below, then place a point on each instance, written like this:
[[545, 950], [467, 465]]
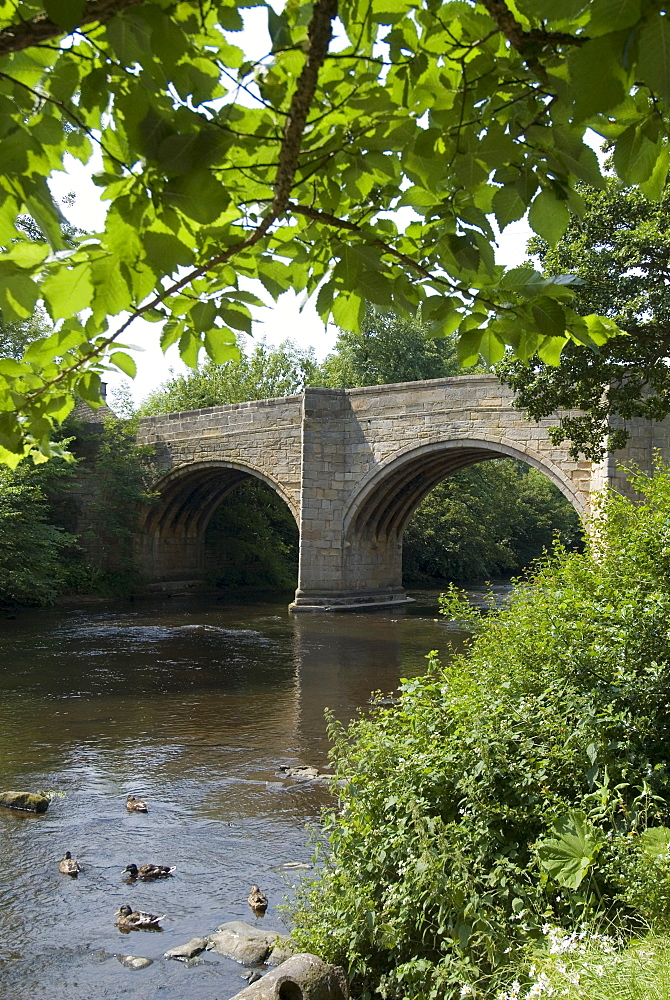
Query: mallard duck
[[128, 919], [135, 805], [68, 866], [148, 871], [258, 901]]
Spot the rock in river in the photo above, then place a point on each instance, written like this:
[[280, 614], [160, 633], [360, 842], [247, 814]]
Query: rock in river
[[134, 962], [185, 951], [243, 943], [27, 801]]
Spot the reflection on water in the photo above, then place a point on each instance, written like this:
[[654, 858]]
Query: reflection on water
[[194, 705]]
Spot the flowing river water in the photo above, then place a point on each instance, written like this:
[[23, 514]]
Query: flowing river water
[[195, 705]]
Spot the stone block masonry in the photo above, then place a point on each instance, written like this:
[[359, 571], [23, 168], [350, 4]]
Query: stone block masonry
[[352, 466]]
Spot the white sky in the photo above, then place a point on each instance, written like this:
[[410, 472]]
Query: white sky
[[279, 321]]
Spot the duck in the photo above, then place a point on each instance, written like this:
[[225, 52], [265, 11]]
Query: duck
[[135, 805], [148, 871], [128, 919], [258, 901], [68, 866]]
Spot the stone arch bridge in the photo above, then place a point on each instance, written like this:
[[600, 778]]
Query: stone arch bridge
[[352, 465]]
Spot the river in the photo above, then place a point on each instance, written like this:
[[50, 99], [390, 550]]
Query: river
[[193, 704]]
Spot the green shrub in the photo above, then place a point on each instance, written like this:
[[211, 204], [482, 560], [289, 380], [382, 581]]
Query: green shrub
[[34, 554], [591, 965], [498, 794]]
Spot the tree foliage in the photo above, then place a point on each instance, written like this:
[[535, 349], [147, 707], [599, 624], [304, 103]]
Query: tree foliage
[[252, 540], [289, 169], [265, 372], [512, 786], [489, 520], [388, 349], [34, 552], [620, 249]]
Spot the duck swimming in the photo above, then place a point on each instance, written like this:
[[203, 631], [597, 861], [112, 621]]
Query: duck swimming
[[128, 919], [68, 866], [258, 901], [135, 805], [148, 871]]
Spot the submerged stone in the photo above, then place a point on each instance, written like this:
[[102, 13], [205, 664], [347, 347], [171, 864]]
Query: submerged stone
[[27, 801], [134, 962]]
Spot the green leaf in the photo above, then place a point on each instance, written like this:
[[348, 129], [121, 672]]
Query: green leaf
[[172, 332], [550, 348], [348, 311], [27, 253], [18, 294], [166, 253], [612, 15], [654, 54], [569, 855], [125, 363], [656, 842], [197, 195], [491, 347], [654, 187], [467, 347], [65, 13], [548, 217], [508, 205], [522, 280], [549, 316], [189, 348], [221, 345], [203, 315], [278, 29], [598, 80], [635, 156], [68, 290], [46, 349]]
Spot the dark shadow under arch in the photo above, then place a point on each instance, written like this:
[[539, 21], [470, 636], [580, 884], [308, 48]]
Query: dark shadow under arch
[[172, 536], [386, 501], [189, 495]]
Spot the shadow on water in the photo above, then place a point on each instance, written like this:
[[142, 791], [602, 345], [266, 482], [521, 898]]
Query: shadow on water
[[194, 704]]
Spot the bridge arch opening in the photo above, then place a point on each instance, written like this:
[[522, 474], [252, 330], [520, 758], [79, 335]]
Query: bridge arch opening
[[380, 513], [210, 522]]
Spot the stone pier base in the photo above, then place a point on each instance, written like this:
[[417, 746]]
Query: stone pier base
[[352, 600]]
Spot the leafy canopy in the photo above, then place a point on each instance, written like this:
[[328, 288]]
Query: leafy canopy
[[289, 170], [620, 249]]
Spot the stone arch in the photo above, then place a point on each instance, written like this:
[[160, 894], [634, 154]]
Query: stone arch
[[172, 531], [191, 493], [388, 496]]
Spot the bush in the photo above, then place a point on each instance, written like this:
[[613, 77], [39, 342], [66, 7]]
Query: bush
[[501, 792], [33, 553]]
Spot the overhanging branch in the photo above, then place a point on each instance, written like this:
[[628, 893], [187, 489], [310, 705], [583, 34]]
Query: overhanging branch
[[16, 37]]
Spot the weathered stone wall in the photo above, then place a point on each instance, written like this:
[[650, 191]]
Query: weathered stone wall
[[352, 465]]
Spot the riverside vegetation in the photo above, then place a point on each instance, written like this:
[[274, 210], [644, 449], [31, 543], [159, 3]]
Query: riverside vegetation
[[503, 830]]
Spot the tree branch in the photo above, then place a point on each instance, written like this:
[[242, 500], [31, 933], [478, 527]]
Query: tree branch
[[16, 37], [526, 42], [332, 220]]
